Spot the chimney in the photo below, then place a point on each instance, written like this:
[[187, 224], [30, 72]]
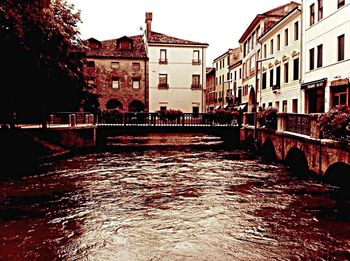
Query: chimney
[[148, 25]]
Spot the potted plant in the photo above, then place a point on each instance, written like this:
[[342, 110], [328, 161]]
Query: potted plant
[[268, 118]]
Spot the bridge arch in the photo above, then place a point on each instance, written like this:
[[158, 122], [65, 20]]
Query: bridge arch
[[338, 174], [250, 144], [114, 104], [268, 152], [297, 162], [136, 106]]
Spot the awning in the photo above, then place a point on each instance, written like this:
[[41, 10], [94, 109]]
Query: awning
[[241, 107], [225, 106], [217, 107], [314, 84]]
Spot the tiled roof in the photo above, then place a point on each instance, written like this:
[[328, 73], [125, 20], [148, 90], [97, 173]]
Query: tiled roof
[[165, 39], [109, 48]]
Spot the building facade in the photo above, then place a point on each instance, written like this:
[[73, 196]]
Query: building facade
[[326, 53], [280, 67], [234, 95], [210, 101], [221, 65], [177, 71], [251, 50], [116, 70]]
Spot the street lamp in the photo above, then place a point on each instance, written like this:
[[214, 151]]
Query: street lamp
[[256, 94]]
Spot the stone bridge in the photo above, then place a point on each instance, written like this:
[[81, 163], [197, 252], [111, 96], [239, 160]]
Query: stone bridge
[[297, 142]]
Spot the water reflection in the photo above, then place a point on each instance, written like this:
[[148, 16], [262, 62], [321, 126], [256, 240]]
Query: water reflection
[[172, 203]]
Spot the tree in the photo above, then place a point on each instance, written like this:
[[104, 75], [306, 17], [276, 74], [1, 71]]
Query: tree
[[42, 58]]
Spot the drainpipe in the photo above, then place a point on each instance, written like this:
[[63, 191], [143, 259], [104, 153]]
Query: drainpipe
[[302, 102]]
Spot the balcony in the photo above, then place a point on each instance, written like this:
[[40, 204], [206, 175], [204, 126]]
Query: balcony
[[196, 86], [196, 62], [163, 86], [162, 61]]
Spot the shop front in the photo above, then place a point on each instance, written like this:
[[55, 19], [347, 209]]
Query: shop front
[[315, 95], [340, 92]]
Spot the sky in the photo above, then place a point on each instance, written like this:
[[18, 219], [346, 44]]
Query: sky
[[220, 23]]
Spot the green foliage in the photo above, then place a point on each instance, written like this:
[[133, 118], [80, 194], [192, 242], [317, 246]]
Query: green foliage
[[268, 118], [335, 124], [42, 57], [170, 114]]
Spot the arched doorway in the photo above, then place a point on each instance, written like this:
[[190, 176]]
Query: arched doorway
[[136, 106], [251, 101], [114, 104], [268, 153]]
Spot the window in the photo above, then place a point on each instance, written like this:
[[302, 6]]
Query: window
[[286, 37], [163, 56], [90, 63], [312, 14], [296, 69], [277, 105], [162, 108], [270, 104], [195, 109], [228, 60], [163, 81], [196, 57], [271, 47], [320, 10], [125, 45], [265, 50], [115, 65], [136, 66], [136, 83], [284, 106], [278, 76], [311, 59], [115, 83], [319, 56], [235, 75], [240, 73], [286, 72], [196, 81], [295, 105], [278, 42], [341, 47], [216, 65], [341, 3], [296, 31], [263, 84], [271, 78]]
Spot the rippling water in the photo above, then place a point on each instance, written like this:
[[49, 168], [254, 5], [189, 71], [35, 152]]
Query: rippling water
[[173, 203]]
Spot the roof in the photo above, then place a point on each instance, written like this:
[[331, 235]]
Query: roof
[[222, 55], [280, 21], [210, 70], [108, 48], [277, 12], [166, 39]]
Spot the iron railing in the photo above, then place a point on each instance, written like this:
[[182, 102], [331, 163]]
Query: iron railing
[[298, 123]]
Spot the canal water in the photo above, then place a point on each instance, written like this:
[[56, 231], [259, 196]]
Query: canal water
[[170, 198]]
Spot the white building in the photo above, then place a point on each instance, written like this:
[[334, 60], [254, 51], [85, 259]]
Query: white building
[[177, 72], [280, 74], [235, 73], [326, 53], [251, 50]]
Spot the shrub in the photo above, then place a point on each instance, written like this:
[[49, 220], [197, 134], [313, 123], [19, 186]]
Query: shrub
[[268, 118], [112, 115], [223, 116], [335, 124], [170, 114]]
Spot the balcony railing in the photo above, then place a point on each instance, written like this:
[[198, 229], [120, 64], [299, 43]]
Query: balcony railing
[[196, 62], [276, 87], [162, 61]]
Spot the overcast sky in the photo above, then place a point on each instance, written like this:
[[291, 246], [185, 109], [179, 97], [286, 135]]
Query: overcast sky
[[220, 23]]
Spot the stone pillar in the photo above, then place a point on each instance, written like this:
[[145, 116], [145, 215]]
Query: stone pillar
[[52, 119], [245, 119], [281, 121], [314, 128], [72, 120]]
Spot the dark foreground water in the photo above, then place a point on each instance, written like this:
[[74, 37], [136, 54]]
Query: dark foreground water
[[173, 203]]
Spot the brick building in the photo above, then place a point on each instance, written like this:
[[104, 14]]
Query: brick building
[[118, 72]]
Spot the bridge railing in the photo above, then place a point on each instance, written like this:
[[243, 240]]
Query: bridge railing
[[71, 118], [159, 119], [298, 123], [249, 118]]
